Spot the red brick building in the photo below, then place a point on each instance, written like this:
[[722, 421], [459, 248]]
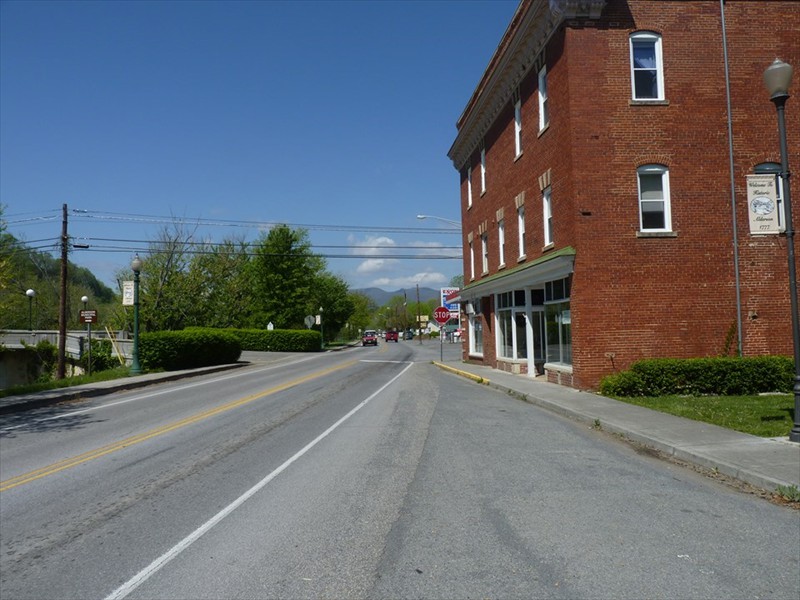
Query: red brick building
[[604, 186]]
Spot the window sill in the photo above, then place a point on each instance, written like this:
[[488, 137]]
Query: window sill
[[543, 129], [501, 266], [560, 367], [522, 258], [483, 193], [656, 234], [512, 361], [475, 355], [518, 156], [549, 246], [649, 103]]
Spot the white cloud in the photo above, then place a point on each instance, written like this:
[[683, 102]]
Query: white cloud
[[374, 265], [429, 279]]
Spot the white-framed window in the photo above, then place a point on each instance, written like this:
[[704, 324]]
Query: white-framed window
[[647, 67], [518, 127], [501, 240], [512, 339], [521, 229], [483, 170], [485, 252], [476, 331], [558, 321], [547, 215], [469, 187], [471, 261], [544, 111], [654, 202]]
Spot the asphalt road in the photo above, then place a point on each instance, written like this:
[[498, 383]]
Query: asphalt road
[[366, 473]]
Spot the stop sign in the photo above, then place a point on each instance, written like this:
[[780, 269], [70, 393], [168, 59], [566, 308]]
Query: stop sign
[[442, 315]]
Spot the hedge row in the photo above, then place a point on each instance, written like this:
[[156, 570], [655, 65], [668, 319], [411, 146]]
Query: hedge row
[[188, 349], [278, 340], [701, 376]]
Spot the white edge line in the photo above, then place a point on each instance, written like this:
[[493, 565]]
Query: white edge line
[[138, 397], [161, 561]]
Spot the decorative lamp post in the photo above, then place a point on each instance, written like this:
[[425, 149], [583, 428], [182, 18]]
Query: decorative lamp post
[[777, 78], [85, 300], [30, 294], [136, 267]]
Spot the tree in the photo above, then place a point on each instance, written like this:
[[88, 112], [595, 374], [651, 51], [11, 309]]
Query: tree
[[284, 272], [166, 300], [457, 281], [332, 294], [363, 310], [219, 279]]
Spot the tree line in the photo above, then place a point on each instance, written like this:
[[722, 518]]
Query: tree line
[[276, 280]]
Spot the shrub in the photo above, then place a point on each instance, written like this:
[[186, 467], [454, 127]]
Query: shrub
[[699, 376], [103, 357], [278, 340], [626, 383], [188, 349]]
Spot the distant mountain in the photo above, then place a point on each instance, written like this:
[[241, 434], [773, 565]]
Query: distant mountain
[[382, 297]]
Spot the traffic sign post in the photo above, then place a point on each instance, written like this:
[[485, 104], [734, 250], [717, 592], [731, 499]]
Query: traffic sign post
[[442, 316]]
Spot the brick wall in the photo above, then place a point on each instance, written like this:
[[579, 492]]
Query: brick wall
[[636, 297]]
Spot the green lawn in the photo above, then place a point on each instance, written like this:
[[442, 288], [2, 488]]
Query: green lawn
[[108, 375], [765, 416]]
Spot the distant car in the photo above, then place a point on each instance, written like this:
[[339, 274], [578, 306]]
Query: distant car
[[391, 336], [370, 338], [409, 335]]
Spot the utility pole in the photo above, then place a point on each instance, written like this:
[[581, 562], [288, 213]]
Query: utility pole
[[419, 318], [62, 306]]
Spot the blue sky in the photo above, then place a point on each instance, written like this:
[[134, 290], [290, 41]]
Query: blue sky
[[232, 115]]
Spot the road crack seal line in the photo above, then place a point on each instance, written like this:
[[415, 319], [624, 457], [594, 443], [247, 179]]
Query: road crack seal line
[[74, 461]]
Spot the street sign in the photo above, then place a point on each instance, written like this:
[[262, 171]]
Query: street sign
[[88, 316], [442, 315]]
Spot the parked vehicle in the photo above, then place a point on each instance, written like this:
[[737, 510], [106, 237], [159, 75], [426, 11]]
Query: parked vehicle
[[391, 336], [408, 335], [370, 338]]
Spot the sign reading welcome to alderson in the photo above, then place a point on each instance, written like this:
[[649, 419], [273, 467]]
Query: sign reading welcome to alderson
[[762, 204]]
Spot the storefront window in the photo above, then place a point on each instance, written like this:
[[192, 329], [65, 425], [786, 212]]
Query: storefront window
[[558, 322]]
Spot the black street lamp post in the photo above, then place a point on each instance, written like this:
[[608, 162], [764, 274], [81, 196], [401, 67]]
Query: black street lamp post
[[30, 294], [777, 78], [136, 266]]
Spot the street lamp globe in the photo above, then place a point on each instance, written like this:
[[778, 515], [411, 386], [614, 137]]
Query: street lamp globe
[[85, 299], [30, 293], [136, 264], [777, 78]]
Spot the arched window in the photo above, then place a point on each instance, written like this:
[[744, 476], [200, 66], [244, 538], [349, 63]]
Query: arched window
[[647, 67]]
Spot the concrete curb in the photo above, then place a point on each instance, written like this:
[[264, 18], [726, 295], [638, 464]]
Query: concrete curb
[[472, 376]]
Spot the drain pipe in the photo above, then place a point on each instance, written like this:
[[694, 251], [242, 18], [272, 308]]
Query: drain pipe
[[733, 182]]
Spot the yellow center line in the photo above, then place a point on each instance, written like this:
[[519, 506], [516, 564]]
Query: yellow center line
[[147, 435]]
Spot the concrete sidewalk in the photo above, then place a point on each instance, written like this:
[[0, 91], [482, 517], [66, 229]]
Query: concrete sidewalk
[[761, 462]]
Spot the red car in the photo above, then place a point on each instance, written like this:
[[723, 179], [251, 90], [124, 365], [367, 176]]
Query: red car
[[370, 338], [391, 336]]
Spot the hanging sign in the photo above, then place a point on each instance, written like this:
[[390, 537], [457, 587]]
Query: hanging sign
[[762, 204], [127, 293]]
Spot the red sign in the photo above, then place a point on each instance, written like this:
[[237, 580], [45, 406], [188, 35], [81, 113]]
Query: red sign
[[441, 315]]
